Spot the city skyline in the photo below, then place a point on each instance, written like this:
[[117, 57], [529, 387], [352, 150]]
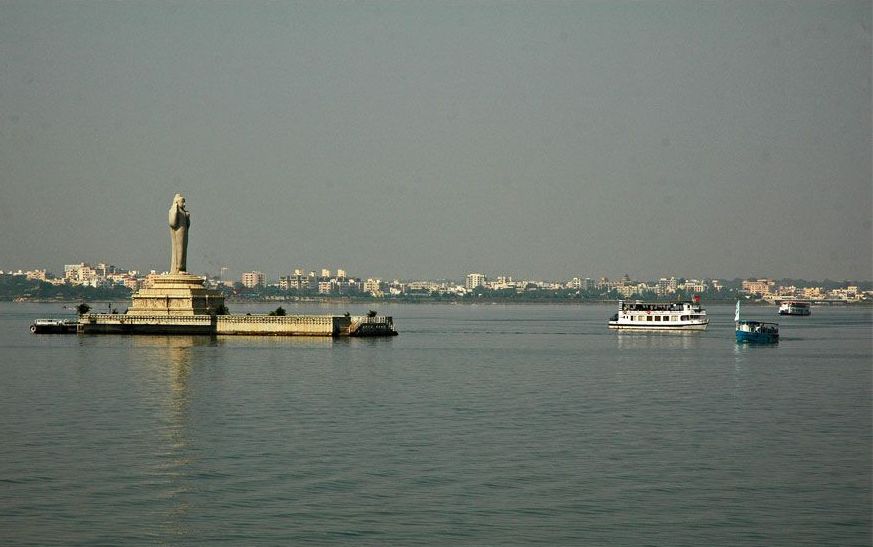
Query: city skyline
[[322, 271], [723, 139], [41, 285]]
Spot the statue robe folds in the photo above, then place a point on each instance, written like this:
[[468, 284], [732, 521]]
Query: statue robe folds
[[180, 220]]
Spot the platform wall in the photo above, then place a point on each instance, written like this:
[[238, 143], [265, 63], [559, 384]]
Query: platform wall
[[286, 325], [264, 325]]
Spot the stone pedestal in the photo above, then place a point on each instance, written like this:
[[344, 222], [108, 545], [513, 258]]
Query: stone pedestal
[[175, 295]]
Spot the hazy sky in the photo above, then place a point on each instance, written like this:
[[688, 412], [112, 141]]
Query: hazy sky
[[431, 139]]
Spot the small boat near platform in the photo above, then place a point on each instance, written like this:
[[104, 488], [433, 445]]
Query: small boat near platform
[[54, 326]]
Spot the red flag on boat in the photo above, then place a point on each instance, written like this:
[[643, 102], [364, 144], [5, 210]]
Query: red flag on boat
[[697, 299]]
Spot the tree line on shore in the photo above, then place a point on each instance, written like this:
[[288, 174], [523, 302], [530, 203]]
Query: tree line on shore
[[14, 287]]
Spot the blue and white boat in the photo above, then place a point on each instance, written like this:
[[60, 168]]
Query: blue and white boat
[[756, 332]]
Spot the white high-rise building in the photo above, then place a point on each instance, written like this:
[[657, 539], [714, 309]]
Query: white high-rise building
[[666, 286], [253, 279], [373, 286], [474, 280]]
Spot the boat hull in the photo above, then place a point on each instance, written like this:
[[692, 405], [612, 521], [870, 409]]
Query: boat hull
[[801, 312], [57, 327], [757, 332], [757, 337], [615, 325], [659, 316]]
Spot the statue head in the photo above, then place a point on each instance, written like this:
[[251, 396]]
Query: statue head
[[179, 200]]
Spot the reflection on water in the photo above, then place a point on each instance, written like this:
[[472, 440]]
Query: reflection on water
[[260, 341], [172, 356], [745, 351], [178, 368], [741, 348], [659, 340]]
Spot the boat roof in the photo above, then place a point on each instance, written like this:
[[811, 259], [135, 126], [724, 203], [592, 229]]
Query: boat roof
[[747, 322], [62, 320], [640, 304]]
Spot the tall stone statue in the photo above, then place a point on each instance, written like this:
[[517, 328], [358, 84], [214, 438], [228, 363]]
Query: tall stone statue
[[180, 220]]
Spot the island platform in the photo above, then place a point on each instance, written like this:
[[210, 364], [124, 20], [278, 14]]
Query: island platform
[[177, 302]]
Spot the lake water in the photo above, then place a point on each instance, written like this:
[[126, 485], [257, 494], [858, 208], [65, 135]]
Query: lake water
[[486, 424]]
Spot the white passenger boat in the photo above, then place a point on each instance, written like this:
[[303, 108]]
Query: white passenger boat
[[640, 315], [794, 307]]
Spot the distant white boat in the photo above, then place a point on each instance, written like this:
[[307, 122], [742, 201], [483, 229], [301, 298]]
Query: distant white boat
[[794, 307], [639, 315]]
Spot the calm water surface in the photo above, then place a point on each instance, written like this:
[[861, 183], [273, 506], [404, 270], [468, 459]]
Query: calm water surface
[[490, 424]]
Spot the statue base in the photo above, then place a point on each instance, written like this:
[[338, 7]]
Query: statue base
[[176, 294]]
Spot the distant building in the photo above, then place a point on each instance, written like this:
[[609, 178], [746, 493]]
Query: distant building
[[813, 293], [626, 291], [253, 279], [299, 281], [666, 286], [503, 282], [35, 274], [760, 287], [373, 287], [79, 274], [474, 280], [586, 284], [694, 286], [325, 287], [850, 294], [131, 282]]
